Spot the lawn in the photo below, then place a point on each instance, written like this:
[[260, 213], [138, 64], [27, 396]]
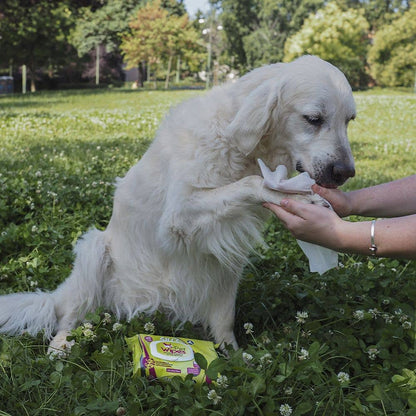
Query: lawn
[[338, 344]]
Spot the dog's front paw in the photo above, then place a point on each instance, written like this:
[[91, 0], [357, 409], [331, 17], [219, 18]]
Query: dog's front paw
[[60, 346], [311, 199], [314, 199]]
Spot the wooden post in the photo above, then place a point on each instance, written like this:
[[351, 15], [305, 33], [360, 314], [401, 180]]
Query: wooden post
[[24, 79], [97, 64]]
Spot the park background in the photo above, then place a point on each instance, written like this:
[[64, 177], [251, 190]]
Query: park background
[[343, 343], [55, 44]]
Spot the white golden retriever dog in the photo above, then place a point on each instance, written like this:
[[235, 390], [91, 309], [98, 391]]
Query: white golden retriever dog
[[188, 213]]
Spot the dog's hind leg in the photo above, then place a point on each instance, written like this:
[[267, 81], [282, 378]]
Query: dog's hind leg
[[83, 291]]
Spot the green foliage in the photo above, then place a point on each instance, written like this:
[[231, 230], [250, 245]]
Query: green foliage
[[377, 12], [393, 54], [34, 33], [337, 36], [341, 343], [257, 29], [102, 26], [157, 37]]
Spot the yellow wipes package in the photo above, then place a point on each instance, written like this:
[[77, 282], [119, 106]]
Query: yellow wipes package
[[156, 356]]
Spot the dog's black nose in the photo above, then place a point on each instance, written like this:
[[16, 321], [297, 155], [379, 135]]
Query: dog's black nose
[[341, 172]]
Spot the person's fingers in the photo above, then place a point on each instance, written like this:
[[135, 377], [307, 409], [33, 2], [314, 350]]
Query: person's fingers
[[281, 213], [320, 190], [294, 207]]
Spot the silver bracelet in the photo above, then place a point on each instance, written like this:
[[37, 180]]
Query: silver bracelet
[[373, 247]]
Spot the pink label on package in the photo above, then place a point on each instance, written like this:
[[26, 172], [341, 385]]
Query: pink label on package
[[195, 371], [173, 370]]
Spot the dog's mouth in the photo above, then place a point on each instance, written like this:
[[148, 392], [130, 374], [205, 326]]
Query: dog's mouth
[[331, 176], [299, 167]]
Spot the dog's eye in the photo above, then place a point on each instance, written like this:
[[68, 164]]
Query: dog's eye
[[315, 120]]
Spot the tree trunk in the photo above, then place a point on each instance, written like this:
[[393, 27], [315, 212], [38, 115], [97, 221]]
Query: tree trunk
[[140, 75], [168, 73], [178, 69]]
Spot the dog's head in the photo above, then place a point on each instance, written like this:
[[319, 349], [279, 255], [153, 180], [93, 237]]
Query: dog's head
[[300, 111]]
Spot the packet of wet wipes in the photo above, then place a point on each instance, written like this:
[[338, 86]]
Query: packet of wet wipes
[[158, 357], [321, 259]]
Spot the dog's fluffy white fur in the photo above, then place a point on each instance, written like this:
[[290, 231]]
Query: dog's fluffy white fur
[[188, 213]]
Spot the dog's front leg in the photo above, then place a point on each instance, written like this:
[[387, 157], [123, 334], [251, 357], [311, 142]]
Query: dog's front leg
[[228, 200], [222, 314]]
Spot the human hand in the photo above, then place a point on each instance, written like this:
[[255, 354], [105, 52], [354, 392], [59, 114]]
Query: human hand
[[340, 201], [311, 223]]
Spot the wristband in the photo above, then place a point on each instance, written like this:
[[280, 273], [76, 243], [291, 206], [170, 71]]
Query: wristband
[[373, 247]]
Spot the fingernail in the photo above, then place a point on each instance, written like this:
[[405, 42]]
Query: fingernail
[[284, 202]]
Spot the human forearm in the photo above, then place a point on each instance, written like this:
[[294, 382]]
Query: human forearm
[[390, 199], [394, 237]]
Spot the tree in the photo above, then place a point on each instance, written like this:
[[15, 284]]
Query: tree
[[392, 57], [377, 12], [238, 18], [102, 27], [157, 37], [34, 33], [276, 22], [257, 29], [340, 37]]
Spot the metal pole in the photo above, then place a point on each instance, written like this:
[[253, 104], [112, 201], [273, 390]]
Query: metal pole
[[211, 21]]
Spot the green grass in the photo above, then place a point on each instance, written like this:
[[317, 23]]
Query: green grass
[[59, 155]]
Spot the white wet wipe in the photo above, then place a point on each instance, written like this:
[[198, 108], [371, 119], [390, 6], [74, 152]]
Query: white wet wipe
[[320, 258]]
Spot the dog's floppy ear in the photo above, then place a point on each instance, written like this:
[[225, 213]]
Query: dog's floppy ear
[[252, 120]]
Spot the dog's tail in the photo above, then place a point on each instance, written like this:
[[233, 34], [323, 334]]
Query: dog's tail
[[27, 313], [39, 311]]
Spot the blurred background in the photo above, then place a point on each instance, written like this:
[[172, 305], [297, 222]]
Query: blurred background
[[60, 44]]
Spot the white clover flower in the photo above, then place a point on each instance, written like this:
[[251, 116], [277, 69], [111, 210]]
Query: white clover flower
[[33, 283], [301, 317], [372, 353], [34, 229], [406, 325], [247, 357], [104, 349], [265, 339], [248, 326], [388, 319], [38, 174], [266, 359], [358, 314], [403, 318], [88, 333], [289, 391], [303, 355], [149, 327], [374, 312], [117, 326], [343, 377], [306, 334], [107, 318], [222, 381], [285, 410], [212, 395]]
